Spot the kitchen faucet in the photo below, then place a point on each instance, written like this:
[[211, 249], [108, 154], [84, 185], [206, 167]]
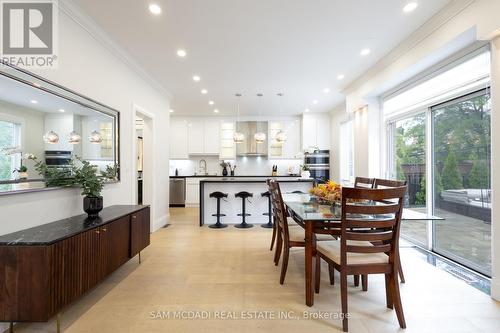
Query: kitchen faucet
[[202, 165]]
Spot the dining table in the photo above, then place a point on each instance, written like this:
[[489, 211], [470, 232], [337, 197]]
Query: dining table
[[308, 211]]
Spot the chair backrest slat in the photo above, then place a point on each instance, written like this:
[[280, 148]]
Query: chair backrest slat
[[381, 208], [370, 223]]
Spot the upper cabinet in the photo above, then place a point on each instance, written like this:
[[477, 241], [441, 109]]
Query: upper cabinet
[[178, 138], [203, 137], [291, 146], [227, 145], [316, 131]]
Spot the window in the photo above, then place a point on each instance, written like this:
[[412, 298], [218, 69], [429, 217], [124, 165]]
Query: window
[[346, 152], [439, 141], [10, 155]]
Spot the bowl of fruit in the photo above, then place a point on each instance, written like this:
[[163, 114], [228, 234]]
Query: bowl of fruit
[[330, 192]]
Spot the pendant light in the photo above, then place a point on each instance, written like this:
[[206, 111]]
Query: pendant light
[[95, 137], [238, 137], [51, 137], [281, 136], [260, 137], [74, 138]]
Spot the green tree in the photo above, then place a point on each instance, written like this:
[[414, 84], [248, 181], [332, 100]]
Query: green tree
[[451, 175], [421, 196], [478, 177]]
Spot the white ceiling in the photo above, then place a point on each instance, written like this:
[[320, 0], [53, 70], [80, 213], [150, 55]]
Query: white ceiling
[[21, 94], [297, 47]]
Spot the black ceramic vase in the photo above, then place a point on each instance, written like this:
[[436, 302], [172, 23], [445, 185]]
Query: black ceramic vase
[[92, 206], [224, 171]]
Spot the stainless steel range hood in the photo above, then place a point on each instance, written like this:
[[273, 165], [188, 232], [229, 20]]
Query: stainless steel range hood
[[249, 147]]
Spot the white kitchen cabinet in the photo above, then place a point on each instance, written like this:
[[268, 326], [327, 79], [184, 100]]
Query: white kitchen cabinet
[[291, 147], [192, 192], [211, 134], [316, 131], [178, 138], [227, 145], [195, 137]]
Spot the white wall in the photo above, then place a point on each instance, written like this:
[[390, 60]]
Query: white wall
[[90, 68], [463, 23], [245, 166]]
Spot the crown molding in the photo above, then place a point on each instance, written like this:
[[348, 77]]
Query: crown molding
[[93, 29], [454, 8]]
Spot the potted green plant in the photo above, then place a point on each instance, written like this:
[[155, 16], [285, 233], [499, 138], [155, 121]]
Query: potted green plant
[[304, 171], [91, 183]]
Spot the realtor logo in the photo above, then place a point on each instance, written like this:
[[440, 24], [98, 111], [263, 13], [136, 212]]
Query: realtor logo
[[29, 32]]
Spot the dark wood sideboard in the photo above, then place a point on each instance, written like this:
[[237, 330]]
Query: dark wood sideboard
[[44, 269]]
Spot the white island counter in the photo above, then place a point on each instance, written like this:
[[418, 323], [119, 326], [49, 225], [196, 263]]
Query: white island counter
[[232, 185]]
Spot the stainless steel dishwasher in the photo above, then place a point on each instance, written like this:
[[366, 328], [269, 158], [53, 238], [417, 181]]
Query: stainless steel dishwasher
[[177, 192]]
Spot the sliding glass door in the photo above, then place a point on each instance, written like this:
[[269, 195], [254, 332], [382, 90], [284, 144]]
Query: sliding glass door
[[409, 163], [461, 142]]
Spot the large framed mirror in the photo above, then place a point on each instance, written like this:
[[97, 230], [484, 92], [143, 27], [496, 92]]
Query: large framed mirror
[[41, 119]]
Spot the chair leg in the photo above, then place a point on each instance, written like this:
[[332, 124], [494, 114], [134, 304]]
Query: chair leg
[[364, 282], [274, 237], [279, 246], [331, 272], [343, 299], [356, 280], [400, 270], [317, 274], [396, 298], [284, 262], [388, 291]]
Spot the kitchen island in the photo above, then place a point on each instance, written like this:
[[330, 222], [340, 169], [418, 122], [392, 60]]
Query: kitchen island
[[232, 185]]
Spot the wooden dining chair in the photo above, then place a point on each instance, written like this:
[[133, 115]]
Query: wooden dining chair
[[363, 182], [370, 226], [386, 183], [287, 237]]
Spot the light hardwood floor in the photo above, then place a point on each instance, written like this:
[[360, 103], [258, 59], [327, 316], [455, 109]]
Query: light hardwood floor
[[188, 268]]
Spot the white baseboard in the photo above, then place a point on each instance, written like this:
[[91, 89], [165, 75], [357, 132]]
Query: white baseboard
[[495, 288], [161, 222]]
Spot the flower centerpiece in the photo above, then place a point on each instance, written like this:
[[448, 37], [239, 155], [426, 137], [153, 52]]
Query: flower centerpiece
[[330, 191]]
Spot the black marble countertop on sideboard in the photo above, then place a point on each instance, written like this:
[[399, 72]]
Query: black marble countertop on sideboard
[[53, 232], [219, 176]]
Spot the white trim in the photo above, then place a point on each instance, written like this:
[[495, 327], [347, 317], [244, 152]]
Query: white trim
[[160, 222], [77, 14], [136, 109]]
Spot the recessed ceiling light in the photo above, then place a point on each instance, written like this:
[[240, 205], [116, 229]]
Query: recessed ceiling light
[[196, 78], [315, 101], [306, 110], [62, 110], [181, 53], [216, 111], [365, 52], [171, 110], [204, 91], [211, 103], [155, 9], [410, 6], [326, 90], [33, 101], [340, 77]]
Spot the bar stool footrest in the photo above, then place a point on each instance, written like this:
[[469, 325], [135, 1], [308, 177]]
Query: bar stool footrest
[[218, 215], [244, 215]]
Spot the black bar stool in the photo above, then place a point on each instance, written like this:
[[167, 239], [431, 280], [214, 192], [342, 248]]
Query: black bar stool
[[218, 196], [269, 224], [244, 197]]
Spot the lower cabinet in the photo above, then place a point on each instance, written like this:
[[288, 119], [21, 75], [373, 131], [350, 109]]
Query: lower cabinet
[[37, 281]]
